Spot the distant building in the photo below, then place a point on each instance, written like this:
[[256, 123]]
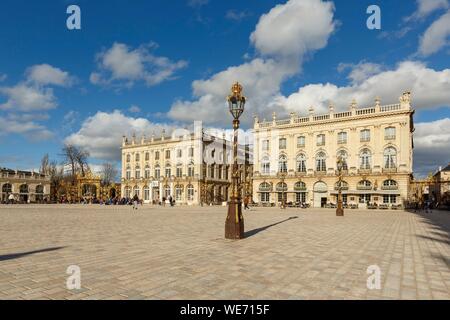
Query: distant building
[[192, 168], [25, 186], [296, 158], [441, 186]]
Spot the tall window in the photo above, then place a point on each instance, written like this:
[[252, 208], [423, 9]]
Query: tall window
[[178, 192], [365, 135], [301, 142], [191, 152], [389, 133], [166, 191], [147, 172], [390, 157], [179, 153], [321, 164], [128, 173], [146, 193], [137, 172], [344, 156], [128, 158], [265, 145], [342, 137], [321, 140], [282, 164], [191, 170], [127, 192], [301, 163], [168, 171], [157, 155], [365, 159], [190, 192], [136, 191], [157, 172], [179, 171], [265, 165], [137, 157], [147, 156], [282, 144], [167, 154]]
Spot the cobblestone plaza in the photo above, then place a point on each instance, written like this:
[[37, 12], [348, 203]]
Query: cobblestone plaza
[[181, 253]]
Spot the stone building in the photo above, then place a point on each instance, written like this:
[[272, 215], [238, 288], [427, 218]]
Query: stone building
[[193, 168], [26, 186], [295, 158], [441, 187]]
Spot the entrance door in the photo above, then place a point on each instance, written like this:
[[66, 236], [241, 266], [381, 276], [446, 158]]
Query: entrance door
[[323, 202], [155, 194], [320, 194]]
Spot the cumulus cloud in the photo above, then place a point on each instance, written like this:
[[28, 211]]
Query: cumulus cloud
[[96, 135], [27, 128], [24, 97], [429, 87], [431, 146], [283, 38], [361, 71], [427, 7], [436, 36], [45, 74], [121, 65]]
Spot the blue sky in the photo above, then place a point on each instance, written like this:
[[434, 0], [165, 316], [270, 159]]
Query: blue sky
[[140, 66]]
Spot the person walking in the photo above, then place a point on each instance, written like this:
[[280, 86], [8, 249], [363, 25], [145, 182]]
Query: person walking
[[246, 201], [11, 199], [135, 202]]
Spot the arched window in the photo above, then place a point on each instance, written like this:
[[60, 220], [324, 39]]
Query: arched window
[[365, 159], [7, 188], [282, 164], [321, 164], [300, 186], [23, 188], [301, 163], [179, 192], [128, 173], [147, 172], [281, 186], [364, 185], [137, 172], [128, 158], [265, 165], [342, 154], [190, 192], [390, 158], [157, 171], [389, 185], [39, 189], [146, 193], [265, 187], [136, 191], [343, 185]]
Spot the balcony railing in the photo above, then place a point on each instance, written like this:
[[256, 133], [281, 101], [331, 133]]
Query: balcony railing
[[362, 187], [364, 171], [389, 187], [342, 188], [389, 170]]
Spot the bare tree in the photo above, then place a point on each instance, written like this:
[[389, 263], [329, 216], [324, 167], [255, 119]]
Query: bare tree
[[76, 159], [56, 178], [81, 156], [45, 165], [109, 173]]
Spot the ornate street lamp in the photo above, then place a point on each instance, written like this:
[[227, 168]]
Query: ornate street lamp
[[340, 165], [234, 224]]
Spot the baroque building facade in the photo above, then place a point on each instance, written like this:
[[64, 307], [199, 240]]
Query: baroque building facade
[[295, 158], [192, 168], [25, 186]]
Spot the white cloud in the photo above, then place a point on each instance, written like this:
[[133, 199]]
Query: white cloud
[[427, 7], [429, 88], [96, 135], [436, 36], [45, 74], [134, 109], [295, 28], [283, 38], [29, 129], [23, 97], [361, 71], [123, 66], [431, 145]]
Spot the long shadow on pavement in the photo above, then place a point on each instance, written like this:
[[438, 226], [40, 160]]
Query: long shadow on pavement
[[257, 230], [23, 254]]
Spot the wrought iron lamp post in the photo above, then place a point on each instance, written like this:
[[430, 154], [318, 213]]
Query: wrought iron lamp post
[[340, 209], [234, 224]]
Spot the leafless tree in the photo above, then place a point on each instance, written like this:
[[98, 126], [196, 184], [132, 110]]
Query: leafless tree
[[76, 159], [109, 173], [45, 165]]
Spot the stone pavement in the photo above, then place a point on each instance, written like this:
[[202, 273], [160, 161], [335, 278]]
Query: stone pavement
[[180, 253]]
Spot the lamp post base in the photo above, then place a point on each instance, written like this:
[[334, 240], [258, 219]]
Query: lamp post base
[[339, 212], [234, 225]]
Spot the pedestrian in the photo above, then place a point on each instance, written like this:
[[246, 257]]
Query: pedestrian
[[171, 201], [11, 199], [246, 201], [135, 202]]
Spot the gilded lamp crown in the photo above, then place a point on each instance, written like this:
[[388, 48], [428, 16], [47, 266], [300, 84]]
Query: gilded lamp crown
[[236, 89]]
